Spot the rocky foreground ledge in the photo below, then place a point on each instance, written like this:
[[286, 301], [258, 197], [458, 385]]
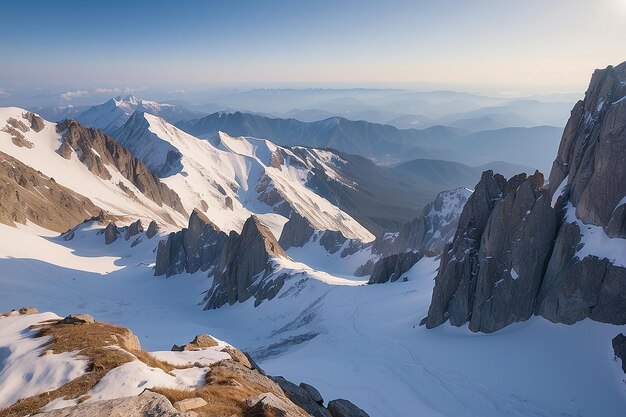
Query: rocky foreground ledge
[[81, 367]]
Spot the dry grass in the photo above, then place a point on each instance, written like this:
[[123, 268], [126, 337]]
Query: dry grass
[[228, 385], [95, 342]]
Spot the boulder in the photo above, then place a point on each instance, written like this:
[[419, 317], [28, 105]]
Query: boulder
[[148, 404], [313, 393], [269, 404], [301, 398], [189, 404], [239, 356], [28, 310], [78, 319], [201, 341], [344, 408]]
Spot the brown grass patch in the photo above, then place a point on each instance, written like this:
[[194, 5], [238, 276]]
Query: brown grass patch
[[94, 341], [229, 384]]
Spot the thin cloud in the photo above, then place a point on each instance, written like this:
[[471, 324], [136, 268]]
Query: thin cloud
[[68, 95], [117, 90], [3, 92]]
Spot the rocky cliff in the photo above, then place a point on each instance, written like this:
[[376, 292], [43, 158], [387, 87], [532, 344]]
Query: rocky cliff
[[521, 248], [28, 195], [244, 258], [198, 247], [95, 149]]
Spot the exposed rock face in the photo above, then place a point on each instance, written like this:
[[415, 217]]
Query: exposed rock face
[[588, 182], [198, 247], [619, 348], [519, 255], [199, 342], [296, 232], [514, 252], [111, 233], [392, 267], [28, 195], [430, 232], [78, 319], [95, 149], [344, 408], [243, 258], [148, 404], [269, 404], [302, 398], [36, 122], [133, 229], [313, 393], [153, 229], [454, 284]]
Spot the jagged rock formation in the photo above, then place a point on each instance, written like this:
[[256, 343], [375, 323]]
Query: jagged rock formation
[[28, 195], [344, 408], [296, 232], [431, 231], [95, 149], [392, 267], [302, 398], [198, 247], [243, 258], [111, 233], [153, 229], [590, 175], [493, 271], [454, 285], [520, 256]]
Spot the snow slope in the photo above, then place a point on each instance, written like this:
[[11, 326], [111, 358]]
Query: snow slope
[[352, 341], [244, 171], [73, 174], [111, 115]]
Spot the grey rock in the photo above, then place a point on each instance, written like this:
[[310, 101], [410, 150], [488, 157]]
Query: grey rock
[[133, 229], [243, 258], [148, 404], [153, 229], [78, 319], [313, 393], [189, 404], [344, 408], [619, 348], [455, 284], [301, 398], [198, 247], [392, 267], [514, 252], [111, 233], [36, 122], [296, 232], [272, 405]]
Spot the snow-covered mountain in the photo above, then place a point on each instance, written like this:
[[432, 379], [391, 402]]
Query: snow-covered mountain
[[109, 116], [229, 179]]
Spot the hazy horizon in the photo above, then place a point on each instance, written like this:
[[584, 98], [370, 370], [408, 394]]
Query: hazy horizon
[[79, 49]]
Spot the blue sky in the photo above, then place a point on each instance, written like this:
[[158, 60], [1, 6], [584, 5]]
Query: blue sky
[[535, 44]]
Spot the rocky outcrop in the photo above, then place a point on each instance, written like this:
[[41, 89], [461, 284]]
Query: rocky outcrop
[[492, 273], [28, 195], [36, 122], [431, 231], [454, 284], [302, 398], [619, 349], [588, 183], [153, 229], [525, 249], [392, 267], [344, 408], [514, 251], [148, 404], [133, 229], [111, 233], [242, 260], [296, 232], [95, 149], [199, 342], [198, 247]]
